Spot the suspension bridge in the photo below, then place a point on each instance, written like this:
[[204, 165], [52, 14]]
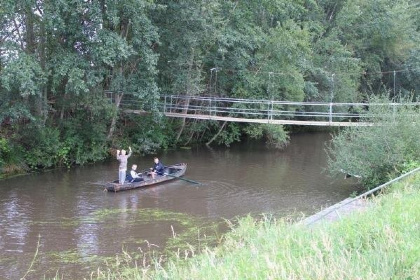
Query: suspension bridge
[[258, 111]]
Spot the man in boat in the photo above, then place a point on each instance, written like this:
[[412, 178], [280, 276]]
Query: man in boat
[[133, 176], [158, 168], [122, 158]]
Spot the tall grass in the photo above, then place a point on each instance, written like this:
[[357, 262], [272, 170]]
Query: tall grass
[[380, 243]]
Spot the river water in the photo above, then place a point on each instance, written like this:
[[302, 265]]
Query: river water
[[70, 225]]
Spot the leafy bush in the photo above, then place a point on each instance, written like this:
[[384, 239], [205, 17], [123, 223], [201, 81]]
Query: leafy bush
[[41, 145], [145, 134], [10, 158], [275, 135], [76, 141], [382, 150], [4, 152], [82, 141]]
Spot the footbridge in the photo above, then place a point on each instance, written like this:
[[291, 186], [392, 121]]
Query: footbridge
[[257, 110]]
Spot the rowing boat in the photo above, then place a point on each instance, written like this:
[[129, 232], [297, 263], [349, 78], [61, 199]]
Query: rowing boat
[[171, 172]]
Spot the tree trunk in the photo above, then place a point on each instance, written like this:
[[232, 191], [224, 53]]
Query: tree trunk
[[188, 91], [118, 98], [217, 134], [43, 101], [183, 120]]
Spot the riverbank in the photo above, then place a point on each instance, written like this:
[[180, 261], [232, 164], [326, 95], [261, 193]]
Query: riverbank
[[376, 244]]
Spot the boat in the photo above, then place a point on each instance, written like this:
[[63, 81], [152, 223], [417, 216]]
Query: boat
[[171, 172]]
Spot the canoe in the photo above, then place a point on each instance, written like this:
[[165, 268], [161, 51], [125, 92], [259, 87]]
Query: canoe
[[171, 173]]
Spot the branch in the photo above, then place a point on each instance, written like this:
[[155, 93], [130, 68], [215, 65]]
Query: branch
[[217, 134]]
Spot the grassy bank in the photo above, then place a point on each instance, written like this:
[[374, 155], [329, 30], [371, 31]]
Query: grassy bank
[[380, 243]]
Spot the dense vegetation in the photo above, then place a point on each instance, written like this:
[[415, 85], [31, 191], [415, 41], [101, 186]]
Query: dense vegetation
[[61, 61], [380, 245], [380, 152]]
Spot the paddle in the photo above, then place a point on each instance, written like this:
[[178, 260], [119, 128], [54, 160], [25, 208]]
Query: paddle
[[180, 178]]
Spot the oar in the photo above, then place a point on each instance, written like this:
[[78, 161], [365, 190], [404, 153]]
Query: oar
[[180, 178]]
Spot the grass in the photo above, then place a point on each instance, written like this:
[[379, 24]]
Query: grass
[[380, 243]]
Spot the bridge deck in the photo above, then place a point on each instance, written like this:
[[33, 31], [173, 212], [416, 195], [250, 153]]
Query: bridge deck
[[261, 111], [246, 120]]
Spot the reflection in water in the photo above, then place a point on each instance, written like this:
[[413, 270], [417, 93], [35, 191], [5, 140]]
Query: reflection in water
[[78, 221]]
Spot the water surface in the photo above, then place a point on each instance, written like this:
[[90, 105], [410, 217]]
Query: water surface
[[77, 225]]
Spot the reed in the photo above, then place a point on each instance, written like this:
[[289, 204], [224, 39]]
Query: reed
[[379, 243]]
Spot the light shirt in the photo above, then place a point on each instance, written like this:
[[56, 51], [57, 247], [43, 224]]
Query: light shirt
[[123, 161], [134, 174]]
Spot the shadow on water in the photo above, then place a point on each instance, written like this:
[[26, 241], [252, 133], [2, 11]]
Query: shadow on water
[[81, 226]]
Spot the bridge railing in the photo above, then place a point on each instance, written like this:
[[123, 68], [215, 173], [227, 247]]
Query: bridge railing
[[189, 106], [262, 109]]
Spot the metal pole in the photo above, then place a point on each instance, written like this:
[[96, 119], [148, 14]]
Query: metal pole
[[269, 116], [211, 78], [331, 112], [394, 83], [332, 96], [271, 110], [164, 105]]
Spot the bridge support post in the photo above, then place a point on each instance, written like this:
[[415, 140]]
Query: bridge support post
[[164, 105], [330, 115]]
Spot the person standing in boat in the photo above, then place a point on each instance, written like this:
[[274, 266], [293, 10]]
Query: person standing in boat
[[158, 168], [133, 176], [122, 170]]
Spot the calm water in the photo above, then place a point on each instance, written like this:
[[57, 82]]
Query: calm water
[[77, 224]]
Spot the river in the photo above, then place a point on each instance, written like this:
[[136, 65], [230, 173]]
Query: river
[[74, 226]]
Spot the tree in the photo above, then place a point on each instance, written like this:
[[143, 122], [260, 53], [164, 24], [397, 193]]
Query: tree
[[384, 35], [381, 151]]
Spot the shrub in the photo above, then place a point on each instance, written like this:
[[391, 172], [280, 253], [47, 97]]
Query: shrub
[[381, 151], [41, 145]]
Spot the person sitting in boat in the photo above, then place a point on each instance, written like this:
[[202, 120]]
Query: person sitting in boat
[[158, 168], [133, 176], [122, 158]]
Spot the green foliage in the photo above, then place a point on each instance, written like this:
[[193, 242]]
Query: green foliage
[[378, 152], [146, 134], [22, 75], [59, 57], [275, 135], [82, 142], [229, 135], [41, 145], [5, 152], [10, 158], [383, 34]]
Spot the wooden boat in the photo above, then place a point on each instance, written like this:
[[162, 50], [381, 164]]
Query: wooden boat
[[171, 173]]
